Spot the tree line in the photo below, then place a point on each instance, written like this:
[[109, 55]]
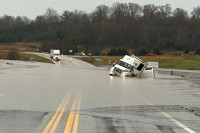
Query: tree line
[[125, 25]]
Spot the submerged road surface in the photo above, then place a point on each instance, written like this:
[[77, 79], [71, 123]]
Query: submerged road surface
[[77, 97]]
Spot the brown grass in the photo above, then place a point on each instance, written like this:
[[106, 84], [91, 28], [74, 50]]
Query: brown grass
[[20, 47]]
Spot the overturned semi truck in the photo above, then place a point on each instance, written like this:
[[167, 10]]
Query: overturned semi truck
[[131, 66]]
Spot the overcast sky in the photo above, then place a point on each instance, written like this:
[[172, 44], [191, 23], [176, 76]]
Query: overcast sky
[[33, 8]]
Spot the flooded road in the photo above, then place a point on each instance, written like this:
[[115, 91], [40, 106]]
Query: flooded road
[[78, 97]]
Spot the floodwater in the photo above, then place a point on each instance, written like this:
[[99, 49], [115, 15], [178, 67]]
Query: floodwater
[[31, 92]]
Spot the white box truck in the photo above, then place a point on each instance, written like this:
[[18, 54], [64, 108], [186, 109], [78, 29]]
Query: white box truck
[[55, 54], [131, 66]]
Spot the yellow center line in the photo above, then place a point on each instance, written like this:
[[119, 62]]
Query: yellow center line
[[75, 126], [54, 116], [75, 63], [53, 129], [71, 117]]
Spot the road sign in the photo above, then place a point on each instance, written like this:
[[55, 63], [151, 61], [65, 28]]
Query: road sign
[[97, 59]]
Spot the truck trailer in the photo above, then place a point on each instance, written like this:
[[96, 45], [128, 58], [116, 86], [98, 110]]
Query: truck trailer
[[55, 54], [131, 66]]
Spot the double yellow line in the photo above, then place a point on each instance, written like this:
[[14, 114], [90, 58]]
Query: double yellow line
[[75, 63], [73, 117], [72, 122]]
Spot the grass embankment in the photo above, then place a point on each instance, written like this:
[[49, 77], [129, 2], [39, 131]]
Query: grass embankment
[[32, 57], [176, 62], [105, 59], [171, 62], [5, 48]]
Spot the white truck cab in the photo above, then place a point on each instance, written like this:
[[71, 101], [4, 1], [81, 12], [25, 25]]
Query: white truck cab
[[55, 54], [130, 66]]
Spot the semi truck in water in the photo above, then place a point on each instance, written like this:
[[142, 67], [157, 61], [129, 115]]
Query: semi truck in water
[[55, 54], [131, 66]]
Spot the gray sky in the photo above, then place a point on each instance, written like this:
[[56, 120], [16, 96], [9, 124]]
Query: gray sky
[[33, 8]]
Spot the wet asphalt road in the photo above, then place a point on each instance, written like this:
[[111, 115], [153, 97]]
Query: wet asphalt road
[[78, 97]]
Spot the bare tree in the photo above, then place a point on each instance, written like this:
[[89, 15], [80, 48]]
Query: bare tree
[[51, 16], [6, 21], [196, 12], [40, 19], [134, 10], [101, 13]]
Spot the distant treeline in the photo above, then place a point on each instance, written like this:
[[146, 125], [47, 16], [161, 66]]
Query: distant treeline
[[123, 25]]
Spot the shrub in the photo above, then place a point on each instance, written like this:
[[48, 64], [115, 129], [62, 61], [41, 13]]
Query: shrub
[[142, 52], [197, 52], [117, 52], [13, 55], [186, 51], [157, 51]]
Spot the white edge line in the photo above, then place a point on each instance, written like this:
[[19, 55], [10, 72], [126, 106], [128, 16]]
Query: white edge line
[[169, 116], [178, 123]]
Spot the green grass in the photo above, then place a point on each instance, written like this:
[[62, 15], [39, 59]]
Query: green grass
[[171, 62], [190, 63], [105, 59], [32, 57]]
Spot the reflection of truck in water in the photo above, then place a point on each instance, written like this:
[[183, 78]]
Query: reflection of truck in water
[[55, 54], [131, 66]]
